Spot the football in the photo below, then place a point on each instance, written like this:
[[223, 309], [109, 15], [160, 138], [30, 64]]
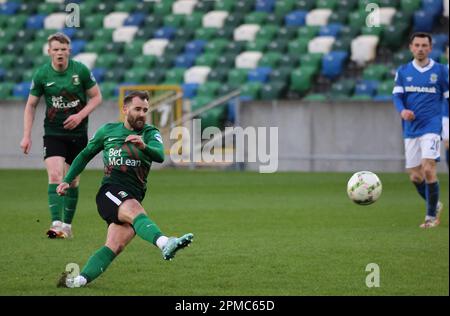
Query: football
[[364, 187]]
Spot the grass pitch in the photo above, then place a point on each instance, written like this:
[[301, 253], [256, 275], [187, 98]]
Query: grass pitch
[[255, 234]]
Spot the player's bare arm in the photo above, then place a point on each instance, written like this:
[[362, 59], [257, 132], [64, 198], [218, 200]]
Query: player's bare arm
[[95, 98], [28, 119], [62, 188]]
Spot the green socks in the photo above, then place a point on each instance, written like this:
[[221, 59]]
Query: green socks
[[97, 263], [55, 202], [146, 229], [70, 204]]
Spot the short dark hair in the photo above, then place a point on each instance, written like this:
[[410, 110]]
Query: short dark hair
[[143, 95], [60, 37], [421, 35]]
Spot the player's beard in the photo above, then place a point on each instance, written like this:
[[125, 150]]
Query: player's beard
[[137, 123]]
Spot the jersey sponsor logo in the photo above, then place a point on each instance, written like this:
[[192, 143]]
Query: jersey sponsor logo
[[115, 159], [158, 138], [420, 89], [433, 78], [48, 84], [75, 80], [123, 194], [57, 102], [110, 139]]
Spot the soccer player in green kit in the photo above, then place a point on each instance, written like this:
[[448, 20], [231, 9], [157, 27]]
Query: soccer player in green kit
[[129, 149], [66, 85]]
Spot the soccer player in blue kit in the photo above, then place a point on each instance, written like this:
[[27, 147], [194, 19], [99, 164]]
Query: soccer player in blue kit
[[420, 87]]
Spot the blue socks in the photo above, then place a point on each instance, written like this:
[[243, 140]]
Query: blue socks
[[421, 189], [432, 193]]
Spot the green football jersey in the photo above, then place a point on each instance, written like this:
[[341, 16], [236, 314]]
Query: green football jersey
[[125, 164], [64, 93]]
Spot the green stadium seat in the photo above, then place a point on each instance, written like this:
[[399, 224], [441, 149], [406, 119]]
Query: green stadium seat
[[145, 7], [267, 32], [105, 7], [163, 8], [270, 59], [237, 76], [298, 46], [103, 35], [357, 19], [6, 89], [108, 89], [115, 74], [377, 31], [95, 46], [155, 76], [312, 60], [216, 46], [226, 60], [209, 89], [342, 43], [28, 74], [275, 19], [327, 4], [134, 48], [13, 75], [174, 20], [87, 7], [234, 19], [226, 33], [259, 45], [175, 47], [43, 34], [283, 7], [393, 36], [306, 5], [236, 47], [145, 33], [213, 118], [302, 79], [402, 57], [125, 6], [273, 90], [218, 74], [193, 21], [251, 90], [16, 22], [340, 16], [23, 62], [347, 31], [205, 33], [28, 8], [207, 59], [375, 72], [342, 89], [47, 8], [363, 3], [153, 21], [278, 45], [175, 75], [386, 87], [225, 5], [256, 17], [244, 6], [287, 33], [144, 61], [39, 60], [84, 34], [410, 6], [136, 75], [281, 74], [165, 61], [124, 61], [112, 47], [289, 60], [95, 21]]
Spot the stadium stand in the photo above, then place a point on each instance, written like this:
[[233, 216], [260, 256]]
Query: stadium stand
[[270, 49]]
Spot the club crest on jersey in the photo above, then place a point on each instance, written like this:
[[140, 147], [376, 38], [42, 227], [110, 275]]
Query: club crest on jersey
[[433, 78], [75, 80], [123, 194], [409, 79]]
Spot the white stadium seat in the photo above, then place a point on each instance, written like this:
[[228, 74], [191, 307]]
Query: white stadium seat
[[183, 6], [124, 34], [364, 49], [214, 19], [114, 20], [155, 46], [321, 44], [318, 17], [55, 21], [386, 15], [446, 5], [197, 74], [45, 49], [53, 1], [87, 58], [248, 60], [246, 32]]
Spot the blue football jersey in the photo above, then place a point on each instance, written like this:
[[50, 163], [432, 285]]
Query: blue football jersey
[[421, 90], [445, 105]]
